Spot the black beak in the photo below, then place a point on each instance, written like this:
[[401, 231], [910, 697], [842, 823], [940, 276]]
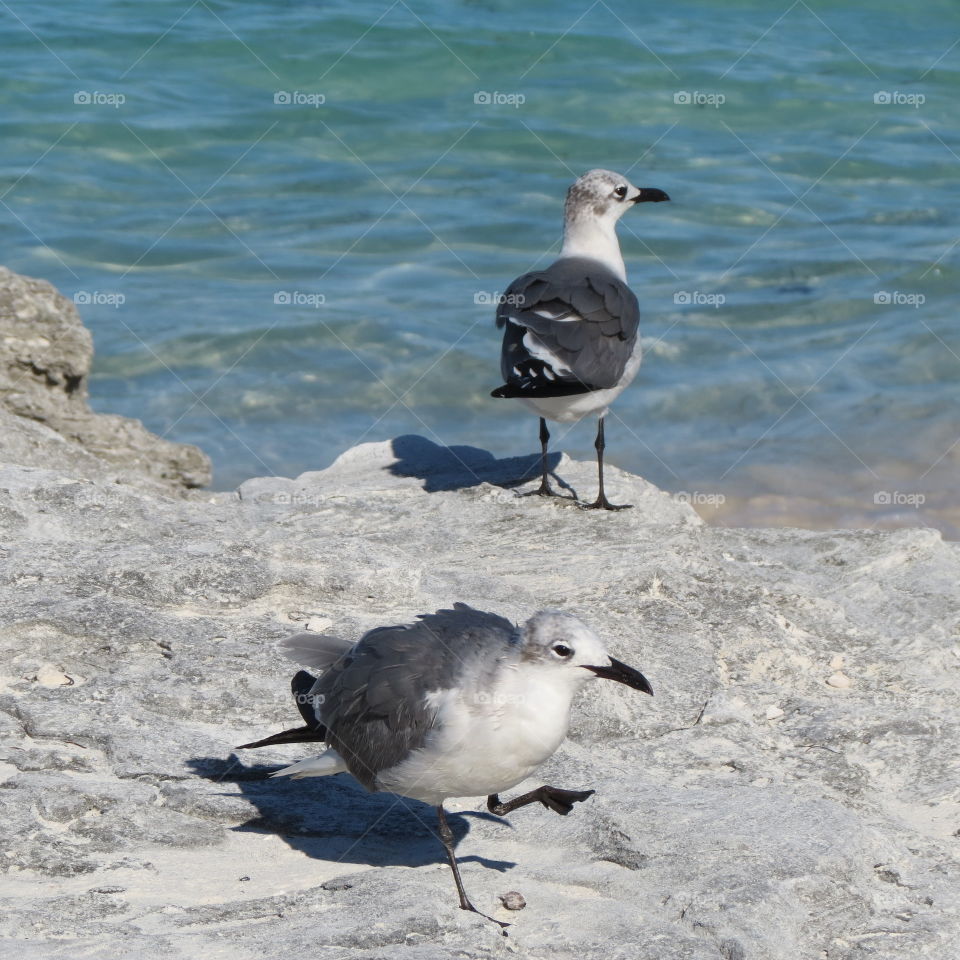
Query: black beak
[[649, 195], [623, 674]]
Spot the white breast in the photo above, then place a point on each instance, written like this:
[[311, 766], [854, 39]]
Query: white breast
[[486, 741]]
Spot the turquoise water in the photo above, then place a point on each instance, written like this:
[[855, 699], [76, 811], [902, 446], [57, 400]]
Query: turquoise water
[[178, 202]]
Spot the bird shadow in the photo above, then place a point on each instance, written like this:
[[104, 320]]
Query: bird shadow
[[457, 467], [335, 819]]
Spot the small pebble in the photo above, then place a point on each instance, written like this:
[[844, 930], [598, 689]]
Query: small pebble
[[513, 900], [840, 680], [774, 713], [837, 662], [337, 883]]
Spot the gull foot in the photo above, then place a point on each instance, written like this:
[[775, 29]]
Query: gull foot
[[602, 503], [562, 801]]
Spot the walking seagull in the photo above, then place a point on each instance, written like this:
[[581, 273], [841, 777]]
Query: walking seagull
[[570, 343], [461, 703]]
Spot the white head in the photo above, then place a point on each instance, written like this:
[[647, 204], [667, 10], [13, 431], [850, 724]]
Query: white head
[[561, 642], [594, 204]]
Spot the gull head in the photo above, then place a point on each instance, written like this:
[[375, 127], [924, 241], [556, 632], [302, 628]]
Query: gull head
[[606, 196], [564, 644]]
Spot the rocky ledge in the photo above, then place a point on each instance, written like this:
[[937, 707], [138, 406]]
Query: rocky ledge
[[45, 420], [790, 793]]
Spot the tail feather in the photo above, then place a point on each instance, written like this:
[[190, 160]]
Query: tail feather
[[325, 765]]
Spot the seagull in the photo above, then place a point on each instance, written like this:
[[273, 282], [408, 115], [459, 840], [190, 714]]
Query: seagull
[[570, 342], [461, 703]]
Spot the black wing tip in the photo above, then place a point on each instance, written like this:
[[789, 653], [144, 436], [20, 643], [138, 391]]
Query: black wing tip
[[312, 732], [521, 391], [300, 686], [301, 679], [315, 734]]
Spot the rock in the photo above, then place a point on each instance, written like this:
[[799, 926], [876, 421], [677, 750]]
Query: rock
[[713, 833], [45, 356], [512, 900], [49, 676], [839, 680]]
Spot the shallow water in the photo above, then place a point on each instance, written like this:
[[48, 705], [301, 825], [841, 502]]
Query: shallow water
[[276, 281]]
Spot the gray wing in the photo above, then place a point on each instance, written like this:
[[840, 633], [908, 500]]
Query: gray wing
[[315, 649], [569, 329], [373, 698]]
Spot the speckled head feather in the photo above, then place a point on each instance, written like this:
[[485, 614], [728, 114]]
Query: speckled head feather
[[599, 193], [552, 636]]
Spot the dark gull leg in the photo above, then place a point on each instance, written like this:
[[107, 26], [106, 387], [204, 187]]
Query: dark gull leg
[[553, 798], [602, 503], [544, 490], [446, 838]]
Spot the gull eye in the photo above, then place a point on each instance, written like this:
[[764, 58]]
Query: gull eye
[[562, 650], [620, 192]]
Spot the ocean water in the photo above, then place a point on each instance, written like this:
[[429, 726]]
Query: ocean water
[[286, 224]]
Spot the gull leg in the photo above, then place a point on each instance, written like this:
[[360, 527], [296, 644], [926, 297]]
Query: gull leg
[[602, 503], [544, 490], [544, 479], [553, 798], [446, 838]]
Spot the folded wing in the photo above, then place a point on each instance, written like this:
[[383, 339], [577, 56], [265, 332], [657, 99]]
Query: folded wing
[[377, 703], [569, 329]]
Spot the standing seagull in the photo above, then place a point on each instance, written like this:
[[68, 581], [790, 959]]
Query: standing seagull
[[460, 704], [571, 345]]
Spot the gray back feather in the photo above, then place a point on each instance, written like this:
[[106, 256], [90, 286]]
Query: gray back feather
[[591, 323], [373, 697]]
